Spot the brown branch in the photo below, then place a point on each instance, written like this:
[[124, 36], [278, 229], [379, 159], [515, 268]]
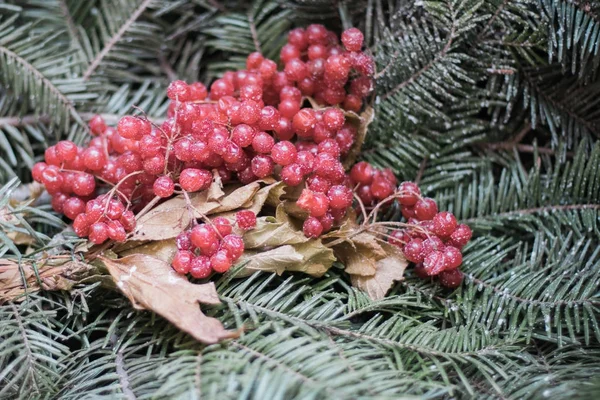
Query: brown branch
[[538, 210], [427, 67], [522, 148], [70, 23], [122, 371], [422, 166], [253, 31], [492, 19], [113, 40]]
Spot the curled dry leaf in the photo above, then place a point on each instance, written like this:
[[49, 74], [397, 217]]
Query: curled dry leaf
[[361, 123], [57, 274], [387, 270], [151, 284]]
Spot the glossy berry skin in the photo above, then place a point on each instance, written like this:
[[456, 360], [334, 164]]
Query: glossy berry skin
[[234, 245], [444, 223], [222, 226], [98, 233], [284, 153], [84, 184], [399, 237], [453, 258], [262, 166], [451, 279], [352, 39], [200, 267], [312, 227], [409, 193], [413, 251], [245, 219], [425, 209], [130, 128], [340, 197], [263, 143], [220, 261], [292, 174], [66, 150], [193, 179], [434, 262], [204, 238], [73, 206], [184, 241], [97, 125], [182, 261], [116, 231], [432, 243], [381, 188], [362, 173], [81, 226], [128, 220], [163, 186], [178, 90], [94, 158], [461, 236]]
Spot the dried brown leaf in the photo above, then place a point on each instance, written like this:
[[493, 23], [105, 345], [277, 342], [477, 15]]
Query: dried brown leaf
[[388, 270], [361, 122], [151, 284]]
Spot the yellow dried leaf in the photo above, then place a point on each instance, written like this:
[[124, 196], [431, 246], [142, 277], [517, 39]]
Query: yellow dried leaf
[[389, 269]]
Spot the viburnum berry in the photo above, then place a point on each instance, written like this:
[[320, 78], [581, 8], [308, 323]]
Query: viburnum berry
[[284, 153], [434, 262], [451, 279], [340, 197], [408, 193], [220, 261], [399, 237], [444, 223], [425, 209], [116, 231], [312, 227], [413, 250], [184, 241], [245, 219], [163, 186], [193, 179], [97, 125], [453, 257], [178, 90], [66, 150], [72, 207], [431, 244], [461, 236], [81, 225], [182, 261], [98, 233], [200, 267], [292, 174], [234, 245]]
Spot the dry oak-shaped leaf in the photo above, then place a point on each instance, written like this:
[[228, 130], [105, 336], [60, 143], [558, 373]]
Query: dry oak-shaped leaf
[[56, 274], [360, 254], [388, 269], [168, 219], [151, 284]]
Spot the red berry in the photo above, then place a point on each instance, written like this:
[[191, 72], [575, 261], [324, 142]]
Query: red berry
[[453, 257], [297, 37], [352, 103], [420, 271], [318, 205], [312, 227], [269, 118], [316, 51], [262, 165], [409, 193], [329, 146], [242, 135], [51, 157], [245, 219], [352, 39], [306, 160], [115, 209], [444, 224], [461, 236], [184, 240], [431, 244], [381, 188], [340, 197], [94, 158], [362, 173], [304, 122], [130, 127], [37, 170], [178, 90], [127, 220], [408, 212], [97, 125], [364, 194], [318, 184], [413, 251], [163, 186], [451, 279], [81, 226], [267, 69], [222, 226], [292, 174], [234, 245], [66, 150], [193, 179], [182, 148], [425, 209], [116, 231], [73, 206], [434, 262], [289, 52], [337, 67], [182, 261], [253, 60], [284, 153], [220, 261], [52, 179], [94, 210], [399, 238], [58, 202], [316, 34], [284, 129], [263, 142], [200, 267], [98, 233], [197, 91], [288, 108], [334, 119], [327, 221], [220, 88], [84, 184]]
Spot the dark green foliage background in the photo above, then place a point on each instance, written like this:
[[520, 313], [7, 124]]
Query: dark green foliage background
[[493, 106]]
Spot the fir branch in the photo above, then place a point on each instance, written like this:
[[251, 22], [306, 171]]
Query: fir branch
[[108, 46], [537, 210], [28, 353], [122, 371]]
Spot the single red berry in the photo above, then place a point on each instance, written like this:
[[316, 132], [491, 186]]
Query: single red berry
[[284, 153], [234, 245], [408, 212], [73, 206], [353, 103], [197, 91], [220, 261], [431, 244], [233, 154], [420, 271], [37, 170], [51, 157], [364, 194], [94, 158], [306, 160], [182, 261], [263, 143], [413, 251], [352, 39], [461, 236], [262, 165], [434, 262], [116, 231], [451, 279], [98, 233], [128, 220], [178, 90], [130, 127], [115, 209], [315, 52], [246, 219], [182, 148], [444, 223], [267, 69], [297, 37], [316, 34], [425, 209], [312, 227], [334, 119], [253, 60], [97, 125], [409, 193], [222, 226], [292, 174], [453, 257], [84, 184], [193, 179], [163, 186], [319, 205], [327, 221], [284, 129], [184, 240], [242, 135], [340, 197], [399, 237], [220, 88], [304, 122], [66, 150], [200, 267], [381, 188], [94, 210], [81, 226], [52, 179], [289, 52], [329, 146], [319, 184], [58, 202], [204, 238], [288, 108]]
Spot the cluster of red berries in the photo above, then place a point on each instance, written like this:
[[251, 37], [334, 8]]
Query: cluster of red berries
[[212, 246], [250, 125], [432, 240], [372, 185]]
